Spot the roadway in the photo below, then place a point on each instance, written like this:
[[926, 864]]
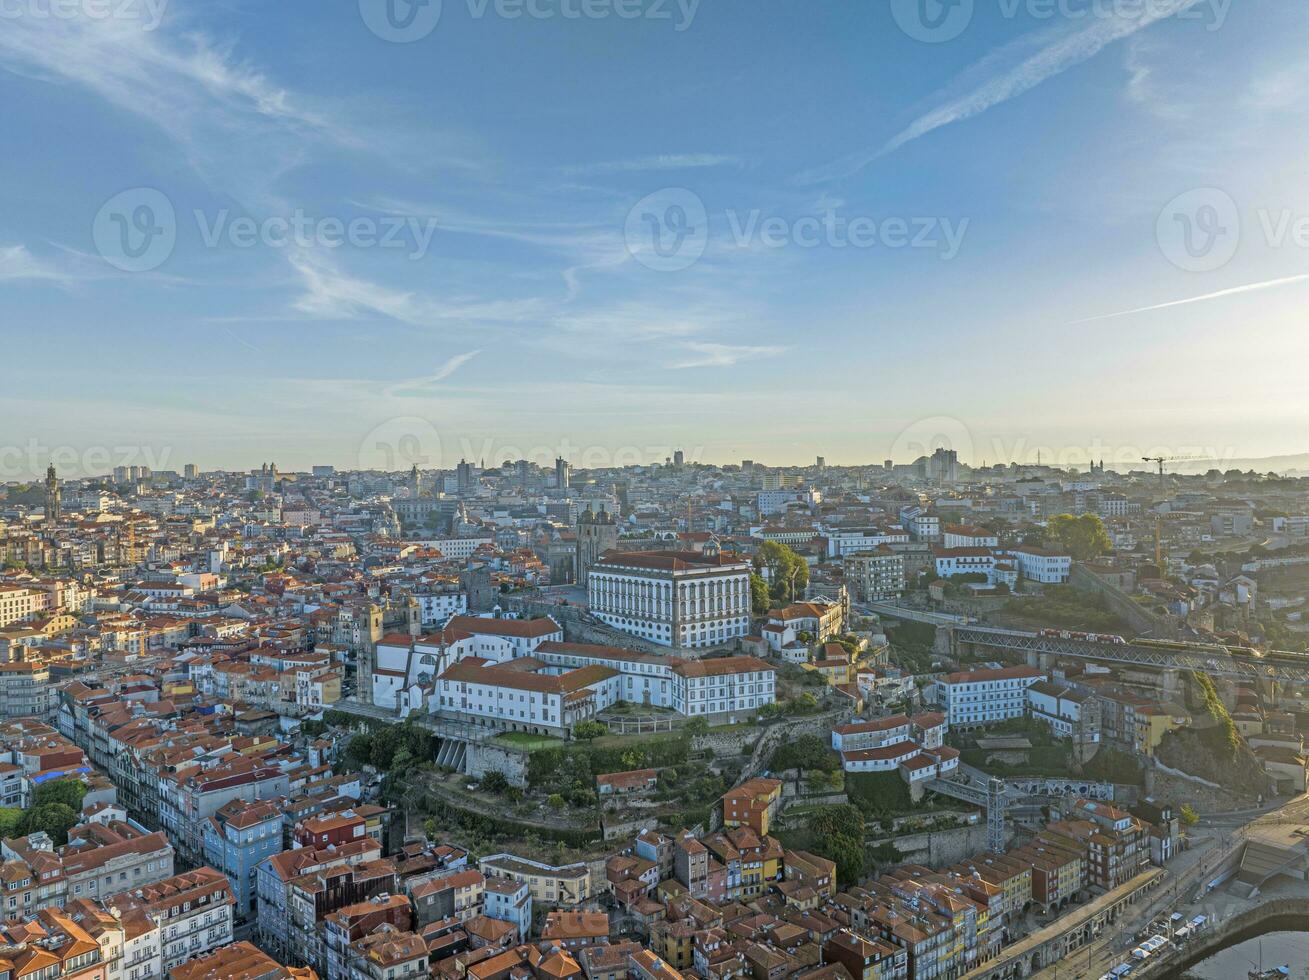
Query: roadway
[[1182, 893]]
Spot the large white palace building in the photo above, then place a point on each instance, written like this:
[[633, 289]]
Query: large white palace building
[[673, 598]]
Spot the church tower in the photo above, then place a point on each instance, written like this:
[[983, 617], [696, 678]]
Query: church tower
[[596, 534], [52, 496]]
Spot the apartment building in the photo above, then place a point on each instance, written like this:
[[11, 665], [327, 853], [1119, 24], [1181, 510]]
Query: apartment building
[[875, 575], [19, 603], [193, 912], [721, 687], [566, 886], [979, 697], [673, 598], [236, 838], [1040, 565], [1068, 713], [26, 691]]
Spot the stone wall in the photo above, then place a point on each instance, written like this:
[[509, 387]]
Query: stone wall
[[1142, 621], [939, 848], [483, 758]]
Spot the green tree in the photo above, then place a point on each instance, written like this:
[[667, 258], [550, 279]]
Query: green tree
[[848, 853], [1188, 816], [696, 726], [587, 731], [1083, 537], [69, 791], [494, 781], [788, 574], [11, 819], [555, 801], [52, 818], [760, 600]]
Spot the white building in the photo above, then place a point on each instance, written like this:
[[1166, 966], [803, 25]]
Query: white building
[[673, 598], [523, 696], [723, 687], [768, 502], [964, 561], [436, 607], [1066, 712], [964, 536], [1040, 565], [458, 549], [979, 697], [849, 541]]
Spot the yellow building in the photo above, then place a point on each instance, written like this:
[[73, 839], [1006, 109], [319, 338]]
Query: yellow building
[[1153, 722]]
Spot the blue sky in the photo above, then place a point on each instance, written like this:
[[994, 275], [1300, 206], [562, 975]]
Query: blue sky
[[756, 229]]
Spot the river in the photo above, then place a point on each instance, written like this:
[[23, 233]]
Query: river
[[1235, 962]]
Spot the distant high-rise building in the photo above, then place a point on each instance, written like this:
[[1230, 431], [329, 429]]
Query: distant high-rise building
[[772, 479], [888, 465], [321, 471], [679, 458], [822, 463], [464, 476], [121, 474], [190, 471], [943, 467], [562, 473], [52, 495]]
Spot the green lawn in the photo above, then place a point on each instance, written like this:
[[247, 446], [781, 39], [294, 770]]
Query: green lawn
[[526, 740]]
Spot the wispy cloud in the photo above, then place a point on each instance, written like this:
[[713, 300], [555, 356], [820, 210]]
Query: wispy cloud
[[333, 294], [703, 354], [1253, 287], [17, 263], [422, 386], [668, 161], [1009, 72]]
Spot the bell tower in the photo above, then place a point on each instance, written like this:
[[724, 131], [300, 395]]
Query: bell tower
[[52, 496]]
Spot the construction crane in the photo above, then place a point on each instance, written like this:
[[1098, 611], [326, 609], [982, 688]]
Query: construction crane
[[1159, 520], [1160, 460]]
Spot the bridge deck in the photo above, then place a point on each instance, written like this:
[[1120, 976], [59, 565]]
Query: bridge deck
[[1275, 665]]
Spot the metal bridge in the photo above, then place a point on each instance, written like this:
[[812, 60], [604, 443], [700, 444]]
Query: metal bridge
[[1205, 658]]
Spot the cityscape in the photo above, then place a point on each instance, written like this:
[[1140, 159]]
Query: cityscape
[[654, 490], [905, 720]]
